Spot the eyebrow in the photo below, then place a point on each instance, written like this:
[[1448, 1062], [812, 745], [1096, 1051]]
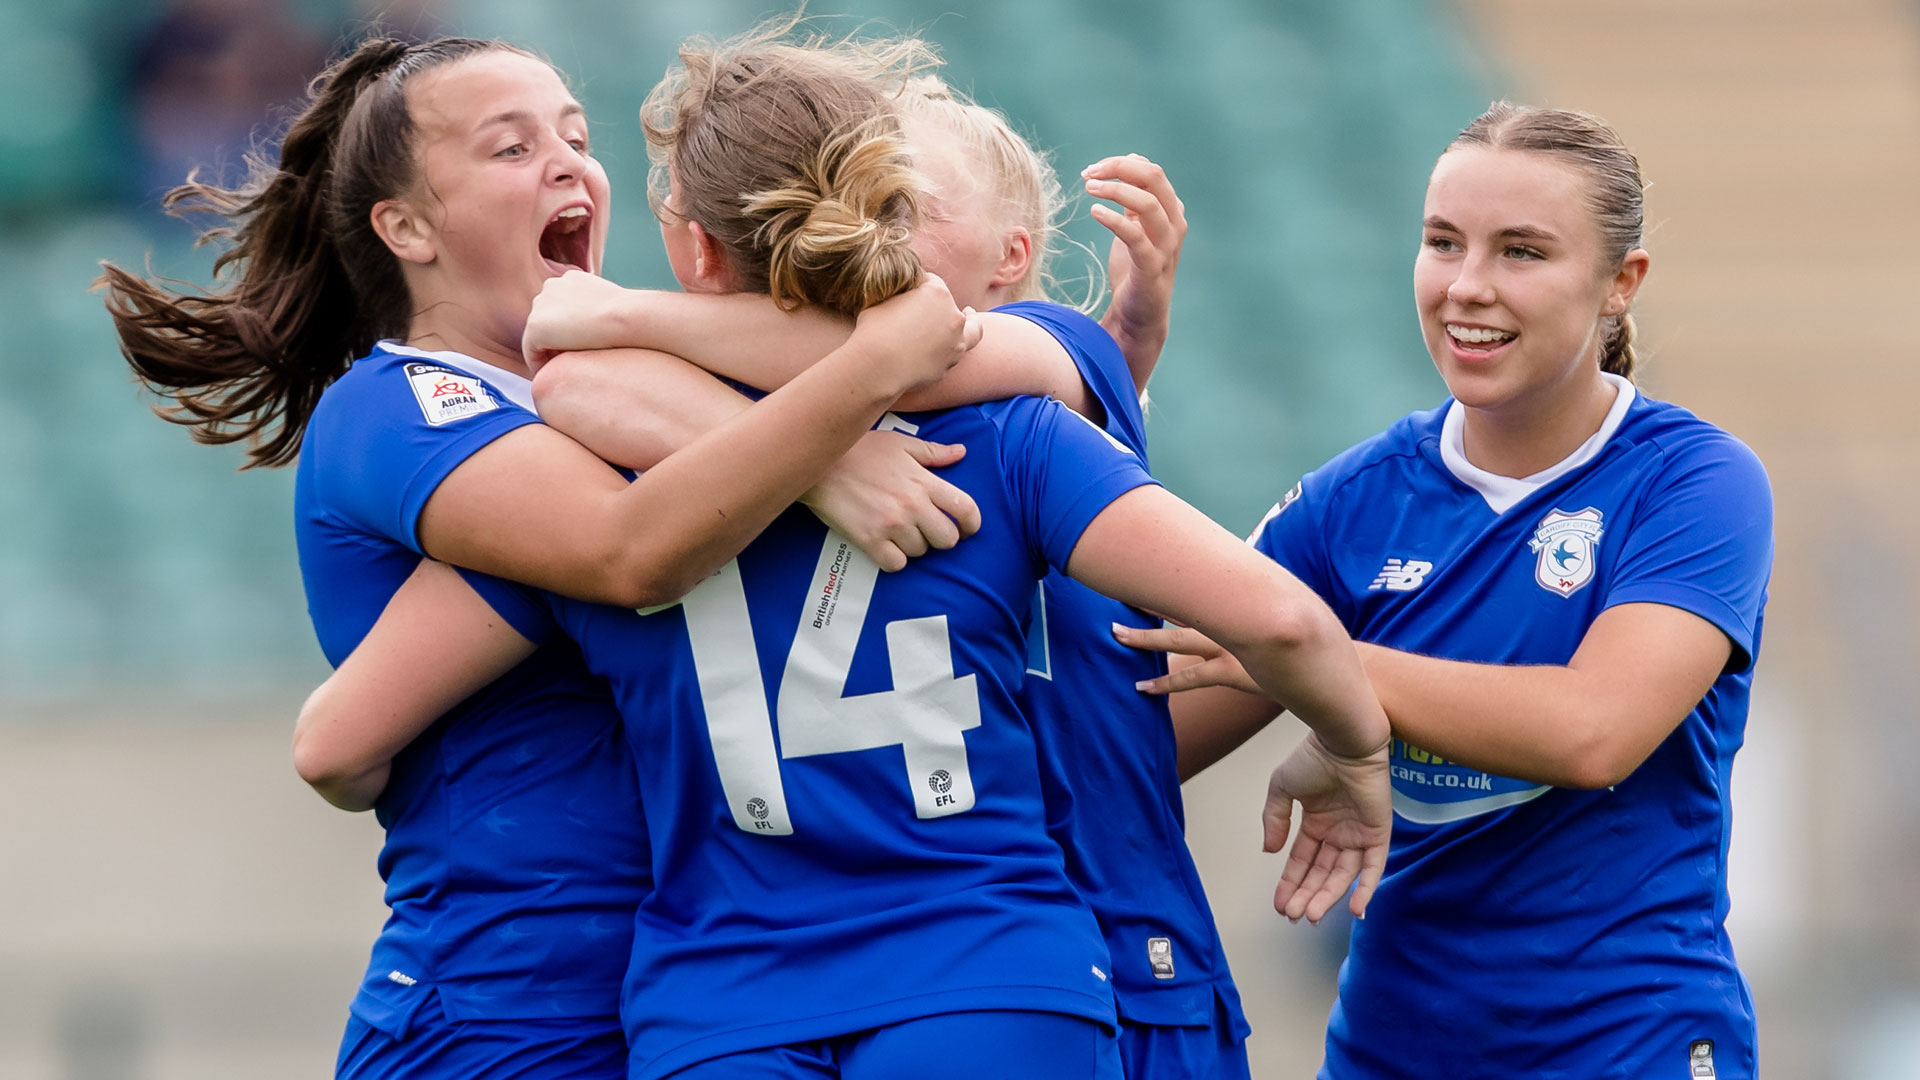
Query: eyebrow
[[1516, 232], [521, 116]]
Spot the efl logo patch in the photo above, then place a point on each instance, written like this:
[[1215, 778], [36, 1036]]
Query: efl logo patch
[[446, 395], [1568, 546]]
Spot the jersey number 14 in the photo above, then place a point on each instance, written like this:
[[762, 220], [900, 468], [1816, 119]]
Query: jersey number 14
[[926, 714]]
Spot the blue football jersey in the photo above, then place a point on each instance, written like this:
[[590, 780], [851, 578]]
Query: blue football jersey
[[843, 796], [1522, 929], [1113, 802], [514, 854]]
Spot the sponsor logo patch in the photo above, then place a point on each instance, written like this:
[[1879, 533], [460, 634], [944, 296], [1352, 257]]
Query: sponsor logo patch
[[446, 395], [1568, 545], [1399, 576]]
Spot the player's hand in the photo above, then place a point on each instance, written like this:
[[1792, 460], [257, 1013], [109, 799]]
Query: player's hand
[[1346, 819], [575, 311], [882, 497], [919, 334], [1148, 231], [1210, 665]]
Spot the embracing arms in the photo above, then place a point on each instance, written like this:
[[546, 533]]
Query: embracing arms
[[537, 507]]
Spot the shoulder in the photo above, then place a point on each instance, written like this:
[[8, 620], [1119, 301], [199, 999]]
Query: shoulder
[[1386, 458], [1689, 447], [1061, 321]]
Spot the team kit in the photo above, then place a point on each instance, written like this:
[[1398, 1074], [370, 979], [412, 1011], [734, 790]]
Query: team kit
[[793, 675]]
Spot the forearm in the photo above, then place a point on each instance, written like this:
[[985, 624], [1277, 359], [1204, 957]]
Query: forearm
[[1210, 723], [742, 336], [687, 516], [1310, 664], [1155, 552], [1542, 723], [633, 407]]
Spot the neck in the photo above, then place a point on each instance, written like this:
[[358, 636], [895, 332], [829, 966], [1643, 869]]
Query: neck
[[438, 335], [1521, 438]]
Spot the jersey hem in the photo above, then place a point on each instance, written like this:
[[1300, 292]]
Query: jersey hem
[[1047, 999]]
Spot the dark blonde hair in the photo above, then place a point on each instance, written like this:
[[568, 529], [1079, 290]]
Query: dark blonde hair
[[788, 153], [313, 286], [1614, 187]]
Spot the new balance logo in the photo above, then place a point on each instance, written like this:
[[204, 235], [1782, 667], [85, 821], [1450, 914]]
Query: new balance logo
[[1399, 576]]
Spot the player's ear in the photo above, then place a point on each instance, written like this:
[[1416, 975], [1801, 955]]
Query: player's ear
[[406, 232], [1016, 254]]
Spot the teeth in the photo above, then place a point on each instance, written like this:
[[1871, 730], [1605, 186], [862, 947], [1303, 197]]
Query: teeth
[[1477, 336], [571, 212]]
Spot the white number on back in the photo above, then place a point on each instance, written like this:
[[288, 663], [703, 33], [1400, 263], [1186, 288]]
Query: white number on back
[[926, 714]]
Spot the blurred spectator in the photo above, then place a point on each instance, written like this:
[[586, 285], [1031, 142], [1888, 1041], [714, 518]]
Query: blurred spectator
[[203, 75]]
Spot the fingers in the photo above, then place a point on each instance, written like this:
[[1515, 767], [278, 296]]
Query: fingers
[[1372, 862], [1222, 671], [1346, 864], [1128, 231], [885, 555], [970, 335], [1276, 820], [1141, 173], [959, 506], [1324, 857], [1299, 861], [933, 455], [1178, 639]]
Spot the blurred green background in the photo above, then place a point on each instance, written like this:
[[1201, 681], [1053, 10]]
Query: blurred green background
[[174, 904], [135, 558]]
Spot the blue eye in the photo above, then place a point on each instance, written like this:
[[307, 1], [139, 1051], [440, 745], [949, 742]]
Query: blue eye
[[1442, 243], [516, 150], [1519, 251]]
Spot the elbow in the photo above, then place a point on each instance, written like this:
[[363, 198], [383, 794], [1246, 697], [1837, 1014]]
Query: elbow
[[1594, 761], [556, 383], [324, 769], [648, 581]]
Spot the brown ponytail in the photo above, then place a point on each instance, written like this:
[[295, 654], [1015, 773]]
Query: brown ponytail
[[312, 286], [1614, 189], [790, 156]]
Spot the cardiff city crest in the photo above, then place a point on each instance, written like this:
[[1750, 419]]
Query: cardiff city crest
[[1567, 545]]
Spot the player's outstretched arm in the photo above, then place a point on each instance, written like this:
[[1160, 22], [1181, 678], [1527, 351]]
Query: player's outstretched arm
[[1153, 551], [1640, 669], [536, 507], [436, 644]]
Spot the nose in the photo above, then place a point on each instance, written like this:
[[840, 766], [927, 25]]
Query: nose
[[1473, 285], [566, 165]]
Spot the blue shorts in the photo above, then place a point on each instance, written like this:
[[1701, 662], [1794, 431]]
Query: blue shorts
[[433, 1047], [1161, 1052], [1003, 1045]]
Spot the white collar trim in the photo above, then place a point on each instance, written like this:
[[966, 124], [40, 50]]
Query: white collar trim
[[1502, 492], [517, 387]]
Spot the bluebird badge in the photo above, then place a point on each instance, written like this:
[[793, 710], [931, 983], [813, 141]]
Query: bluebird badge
[[1567, 545]]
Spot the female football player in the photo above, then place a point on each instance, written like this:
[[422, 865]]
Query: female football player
[[852, 870], [988, 228], [1560, 584], [424, 194]]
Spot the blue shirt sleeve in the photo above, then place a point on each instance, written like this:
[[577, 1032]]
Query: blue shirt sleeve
[[412, 423], [526, 609], [1292, 535], [1103, 367], [1705, 542], [1060, 472]]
